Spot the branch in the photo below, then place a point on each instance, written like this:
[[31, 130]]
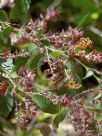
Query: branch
[[95, 30], [96, 71], [83, 93]]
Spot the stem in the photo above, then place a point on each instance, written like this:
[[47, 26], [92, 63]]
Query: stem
[[82, 64], [94, 70], [83, 93], [66, 74], [13, 84], [98, 79]]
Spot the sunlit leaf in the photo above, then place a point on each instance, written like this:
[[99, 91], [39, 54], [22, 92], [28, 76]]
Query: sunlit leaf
[[88, 74], [59, 118]]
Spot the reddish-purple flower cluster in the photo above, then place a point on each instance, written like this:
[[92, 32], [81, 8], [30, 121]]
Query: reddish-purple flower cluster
[[64, 100], [76, 34], [82, 119], [52, 15], [26, 80], [27, 110], [94, 56]]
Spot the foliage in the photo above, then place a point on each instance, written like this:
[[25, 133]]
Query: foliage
[[49, 68]]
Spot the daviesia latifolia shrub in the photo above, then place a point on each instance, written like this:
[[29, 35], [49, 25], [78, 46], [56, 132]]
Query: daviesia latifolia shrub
[[39, 71]]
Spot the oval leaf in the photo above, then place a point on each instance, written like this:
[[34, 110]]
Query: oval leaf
[[89, 74], [59, 118], [44, 104], [6, 105], [3, 15]]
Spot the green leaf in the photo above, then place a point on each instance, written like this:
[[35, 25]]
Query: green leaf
[[55, 54], [20, 62], [61, 91], [99, 117], [43, 117], [13, 75], [43, 4], [32, 48], [59, 118], [44, 104], [71, 70], [6, 105], [39, 87], [3, 15], [81, 19], [7, 31], [69, 67], [85, 4], [9, 68], [98, 107], [88, 74], [20, 10], [40, 32], [8, 65], [44, 42], [34, 61]]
